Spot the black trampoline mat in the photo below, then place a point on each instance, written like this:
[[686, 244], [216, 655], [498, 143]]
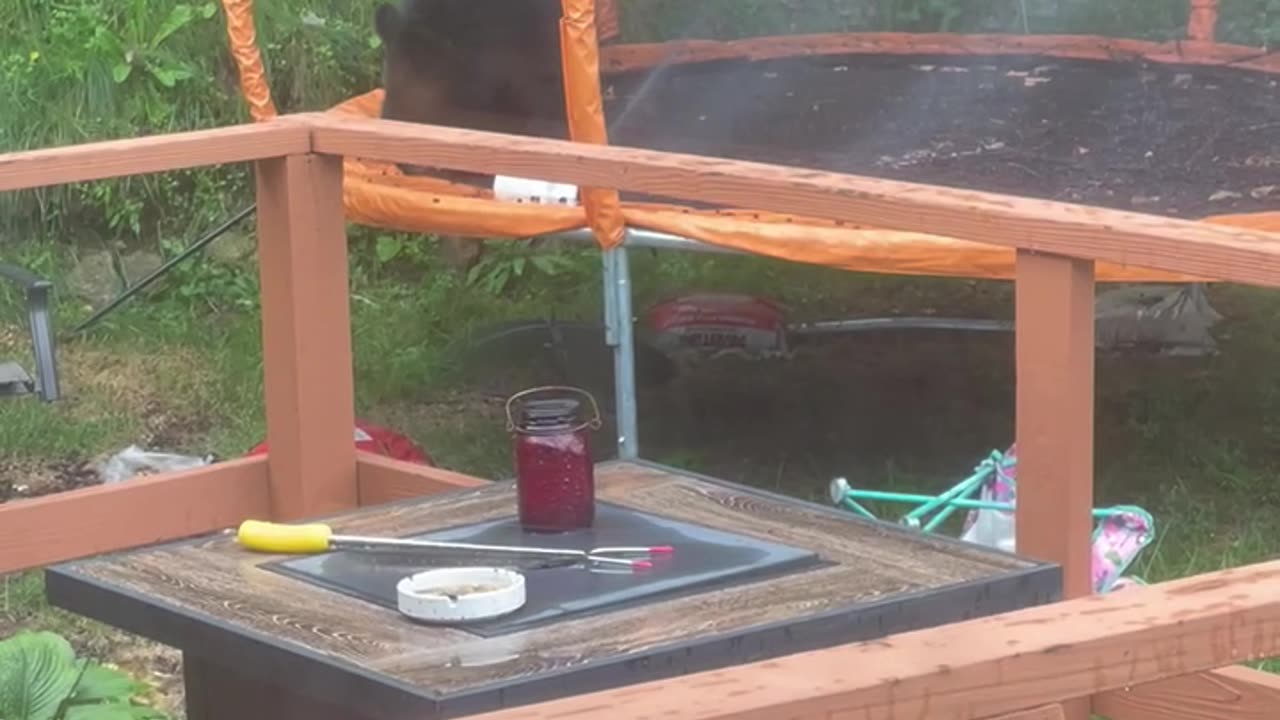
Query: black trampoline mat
[[704, 559]]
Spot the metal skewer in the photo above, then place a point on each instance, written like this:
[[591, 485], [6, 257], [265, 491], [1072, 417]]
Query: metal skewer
[[357, 543], [317, 537]]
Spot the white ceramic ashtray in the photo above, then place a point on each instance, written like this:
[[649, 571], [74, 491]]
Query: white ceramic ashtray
[[464, 594]]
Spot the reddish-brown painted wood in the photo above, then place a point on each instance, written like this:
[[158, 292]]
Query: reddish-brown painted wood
[[1055, 367], [384, 480], [1234, 693], [1044, 712], [306, 336], [978, 668], [79, 523], [158, 153]]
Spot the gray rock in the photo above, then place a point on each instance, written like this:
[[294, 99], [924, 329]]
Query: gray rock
[[94, 278], [139, 264], [233, 248]]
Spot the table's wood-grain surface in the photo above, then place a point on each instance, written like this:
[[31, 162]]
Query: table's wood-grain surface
[[200, 594]]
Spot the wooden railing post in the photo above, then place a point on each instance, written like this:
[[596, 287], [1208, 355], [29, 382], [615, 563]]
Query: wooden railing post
[[1055, 363], [306, 335]]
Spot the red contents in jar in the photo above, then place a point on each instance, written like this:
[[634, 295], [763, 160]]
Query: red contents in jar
[[555, 477]]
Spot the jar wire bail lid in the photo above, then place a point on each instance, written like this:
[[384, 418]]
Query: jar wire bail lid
[[594, 422]]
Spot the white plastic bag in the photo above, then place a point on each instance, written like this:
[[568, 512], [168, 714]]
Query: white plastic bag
[[996, 528], [992, 528], [134, 461]]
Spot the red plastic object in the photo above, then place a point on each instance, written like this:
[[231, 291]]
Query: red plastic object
[[378, 440], [714, 323]]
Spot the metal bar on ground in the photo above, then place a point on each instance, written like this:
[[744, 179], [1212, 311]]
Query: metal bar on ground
[[159, 272], [838, 327]]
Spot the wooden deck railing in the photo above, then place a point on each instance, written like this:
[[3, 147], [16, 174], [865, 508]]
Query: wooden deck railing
[[1023, 664], [1141, 654]]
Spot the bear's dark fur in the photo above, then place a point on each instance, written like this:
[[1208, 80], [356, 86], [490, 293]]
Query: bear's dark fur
[[478, 64]]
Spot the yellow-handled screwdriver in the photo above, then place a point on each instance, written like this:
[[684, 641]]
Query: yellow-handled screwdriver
[[312, 538]]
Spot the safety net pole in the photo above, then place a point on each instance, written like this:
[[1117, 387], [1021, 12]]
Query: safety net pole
[[1202, 21], [580, 63], [243, 40], [608, 26], [580, 49]]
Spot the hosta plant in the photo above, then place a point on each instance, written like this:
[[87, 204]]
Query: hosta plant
[[42, 679]]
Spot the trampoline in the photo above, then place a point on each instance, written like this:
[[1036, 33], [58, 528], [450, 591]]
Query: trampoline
[[1184, 128]]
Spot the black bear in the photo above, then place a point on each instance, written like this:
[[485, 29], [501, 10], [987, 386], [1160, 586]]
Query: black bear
[[478, 64]]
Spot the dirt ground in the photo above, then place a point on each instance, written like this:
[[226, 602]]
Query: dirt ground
[[1178, 141]]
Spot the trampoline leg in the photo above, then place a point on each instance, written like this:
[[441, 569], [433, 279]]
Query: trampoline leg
[[619, 335], [40, 320], [42, 341]]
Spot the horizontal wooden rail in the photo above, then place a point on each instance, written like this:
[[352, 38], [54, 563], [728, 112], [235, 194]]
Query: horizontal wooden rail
[[1126, 238], [383, 480], [106, 518], [980, 668], [157, 153], [1199, 249], [1235, 693], [1044, 712]]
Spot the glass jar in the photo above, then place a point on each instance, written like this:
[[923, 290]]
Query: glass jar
[[555, 475]]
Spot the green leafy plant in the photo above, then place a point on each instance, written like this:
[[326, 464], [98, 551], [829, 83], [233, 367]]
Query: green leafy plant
[[142, 46], [42, 679], [206, 283], [73, 72], [402, 248], [495, 272]]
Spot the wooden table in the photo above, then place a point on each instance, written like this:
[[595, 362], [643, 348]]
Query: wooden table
[[259, 644]]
